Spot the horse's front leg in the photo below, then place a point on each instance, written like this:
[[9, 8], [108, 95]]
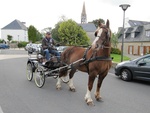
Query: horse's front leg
[[99, 83], [58, 84], [70, 83], [88, 98]]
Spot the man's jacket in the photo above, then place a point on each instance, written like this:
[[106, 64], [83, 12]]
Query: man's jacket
[[47, 44]]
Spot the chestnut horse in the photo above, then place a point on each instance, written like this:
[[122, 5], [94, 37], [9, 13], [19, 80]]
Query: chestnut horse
[[95, 61]]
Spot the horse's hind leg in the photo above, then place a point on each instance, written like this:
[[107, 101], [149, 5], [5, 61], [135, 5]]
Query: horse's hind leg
[[70, 83], [88, 98], [99, 83]]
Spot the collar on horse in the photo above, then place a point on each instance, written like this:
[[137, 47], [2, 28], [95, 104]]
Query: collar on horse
[[93, 58]]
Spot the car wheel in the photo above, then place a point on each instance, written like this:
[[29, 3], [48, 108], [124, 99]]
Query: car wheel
[[126, 75]]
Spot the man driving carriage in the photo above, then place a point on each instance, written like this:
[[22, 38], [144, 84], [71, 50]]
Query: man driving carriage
[[48, 46]]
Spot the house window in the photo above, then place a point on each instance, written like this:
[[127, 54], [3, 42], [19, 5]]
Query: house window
[[148, 33], [132, 35]]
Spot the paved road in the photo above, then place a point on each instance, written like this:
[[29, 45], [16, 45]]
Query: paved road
[[17, 95]]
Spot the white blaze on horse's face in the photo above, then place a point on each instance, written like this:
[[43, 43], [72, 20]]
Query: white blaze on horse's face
[[99, 32]]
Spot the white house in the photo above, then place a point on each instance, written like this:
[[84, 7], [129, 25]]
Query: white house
[[16, 29]]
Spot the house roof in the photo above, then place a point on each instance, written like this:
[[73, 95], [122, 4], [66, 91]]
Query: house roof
[[88, 27], [129, 30], [137, 23], [139, 34], [135, 33], [16, 24]]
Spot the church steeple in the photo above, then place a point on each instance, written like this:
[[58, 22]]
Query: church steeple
[[83, 15]]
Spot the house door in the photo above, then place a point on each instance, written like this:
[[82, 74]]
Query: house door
[[130, 50], [147, 49]]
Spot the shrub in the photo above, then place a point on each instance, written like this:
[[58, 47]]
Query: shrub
[[2, 40], [14, 41], [22, 44], [115, 51]]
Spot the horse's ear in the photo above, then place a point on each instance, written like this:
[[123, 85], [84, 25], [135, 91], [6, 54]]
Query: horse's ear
[[107, 23]]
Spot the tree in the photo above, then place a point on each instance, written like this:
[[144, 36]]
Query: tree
[[71, 33], [114, 39], [2, 40], [55, 33], [48, 29], [33, 34], [9, 38], [96, 22], [38, 36]]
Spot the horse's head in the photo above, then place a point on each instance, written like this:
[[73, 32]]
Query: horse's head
[[103, 35]]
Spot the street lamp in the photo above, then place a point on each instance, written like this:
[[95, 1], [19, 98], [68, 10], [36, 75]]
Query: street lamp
[[124, 8]]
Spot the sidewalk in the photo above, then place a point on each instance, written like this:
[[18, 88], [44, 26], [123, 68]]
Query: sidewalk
[[132, 56], [12, 53], [2, 57]]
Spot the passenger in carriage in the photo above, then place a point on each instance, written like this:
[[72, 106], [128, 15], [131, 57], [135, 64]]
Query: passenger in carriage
[[48, 46]]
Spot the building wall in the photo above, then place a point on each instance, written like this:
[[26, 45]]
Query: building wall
[[18, 35], [136, 48], [91, 36]]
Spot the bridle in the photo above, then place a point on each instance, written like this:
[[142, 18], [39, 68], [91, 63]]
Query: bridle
[[107, 39]]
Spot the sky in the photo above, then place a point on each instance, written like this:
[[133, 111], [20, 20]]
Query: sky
[[46, 13]]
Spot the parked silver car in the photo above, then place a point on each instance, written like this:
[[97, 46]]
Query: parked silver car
[[61, 48]]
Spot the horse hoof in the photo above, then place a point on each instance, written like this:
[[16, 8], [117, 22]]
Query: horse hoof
[[58, 87], [72, 89], [98, 98], [90, 103]]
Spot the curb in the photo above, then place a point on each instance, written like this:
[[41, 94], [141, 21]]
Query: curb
[[114, 64]]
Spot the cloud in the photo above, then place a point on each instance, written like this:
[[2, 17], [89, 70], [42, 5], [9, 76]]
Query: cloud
[[117, 2]]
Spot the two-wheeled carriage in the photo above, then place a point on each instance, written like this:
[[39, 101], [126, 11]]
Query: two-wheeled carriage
[[39, 71]]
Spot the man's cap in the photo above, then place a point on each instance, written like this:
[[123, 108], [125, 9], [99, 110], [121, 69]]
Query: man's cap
[[48, 33]]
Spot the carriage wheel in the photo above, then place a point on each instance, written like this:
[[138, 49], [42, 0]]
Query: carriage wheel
[[65, 79], [39, 77], [29, 71]]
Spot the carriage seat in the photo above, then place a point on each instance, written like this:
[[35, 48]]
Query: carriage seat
[[42, 53]]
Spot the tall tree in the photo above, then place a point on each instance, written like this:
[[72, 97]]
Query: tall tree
[[114, 39], [71, 33], [48, 29], [96, 22], [55, 33], [32, 33], [38, 36]]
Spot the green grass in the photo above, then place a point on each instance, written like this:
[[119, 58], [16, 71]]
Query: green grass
[[117, 58]]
